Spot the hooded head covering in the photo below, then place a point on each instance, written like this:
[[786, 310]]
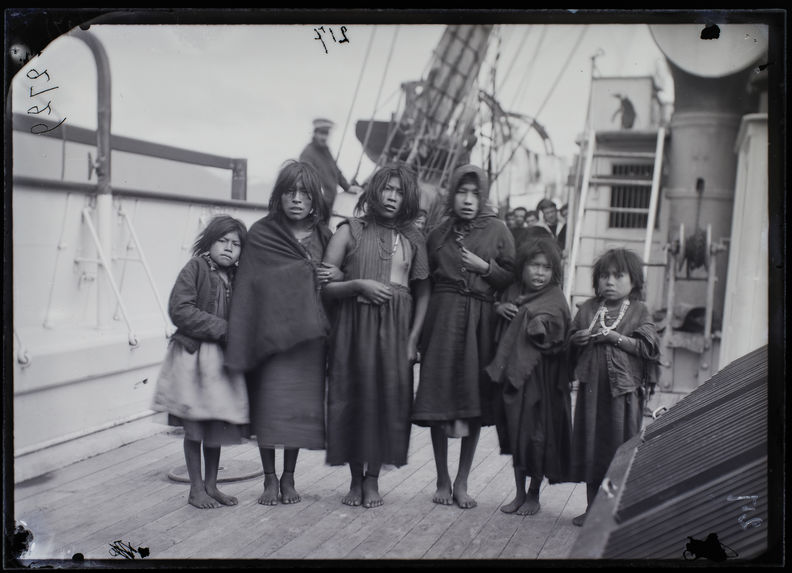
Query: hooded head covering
[[483, 184]]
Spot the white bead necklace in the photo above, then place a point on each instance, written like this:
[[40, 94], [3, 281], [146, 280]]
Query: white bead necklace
[[602, 311]]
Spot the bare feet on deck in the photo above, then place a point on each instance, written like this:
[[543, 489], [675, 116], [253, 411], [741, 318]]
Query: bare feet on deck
[[462, 498], [531, 505], [580, 519], [371, 496], [443, 495], [221, 497], [288, 493], [200, 499], [270, 495], [355, 495], [514, 504]]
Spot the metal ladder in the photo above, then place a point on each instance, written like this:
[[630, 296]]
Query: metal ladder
[[583, 208]]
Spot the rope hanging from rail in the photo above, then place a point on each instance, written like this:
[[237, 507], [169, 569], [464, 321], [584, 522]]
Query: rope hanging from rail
[[547, 98], [357, 88], [376, 102]]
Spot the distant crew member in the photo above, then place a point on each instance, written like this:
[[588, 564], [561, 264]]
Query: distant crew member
[[550, 214], [317, 153], [627, 111]]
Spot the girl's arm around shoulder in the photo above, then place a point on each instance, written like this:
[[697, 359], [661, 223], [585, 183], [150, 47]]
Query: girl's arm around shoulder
[[184, 309], [335, 254]]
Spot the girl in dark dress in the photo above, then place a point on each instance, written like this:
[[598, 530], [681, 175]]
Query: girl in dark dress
[[615, 354], [380, 309], [278, 327], [470, 258], [533, 417]]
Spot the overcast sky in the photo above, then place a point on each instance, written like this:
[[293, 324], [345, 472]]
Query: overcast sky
[[252, 90]]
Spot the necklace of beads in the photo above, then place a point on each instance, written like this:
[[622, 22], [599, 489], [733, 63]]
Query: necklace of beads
[[602, 311], [386, 251]]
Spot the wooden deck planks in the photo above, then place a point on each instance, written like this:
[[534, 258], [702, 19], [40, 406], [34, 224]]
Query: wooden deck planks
[[126, 495]]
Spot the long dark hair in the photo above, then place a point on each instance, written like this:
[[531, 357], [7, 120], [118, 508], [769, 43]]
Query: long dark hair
[[216, 229], [291, 172], [371, 198], [540, 246], [623, 260]]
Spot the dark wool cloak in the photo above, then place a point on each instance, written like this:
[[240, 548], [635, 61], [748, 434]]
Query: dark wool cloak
[[277, 300], [534, 415]]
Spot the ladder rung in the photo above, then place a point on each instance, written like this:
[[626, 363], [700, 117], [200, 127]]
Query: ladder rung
[[590, 265], [626, 154], [621, 181], [612, 239], [619, 210], [586, 294]]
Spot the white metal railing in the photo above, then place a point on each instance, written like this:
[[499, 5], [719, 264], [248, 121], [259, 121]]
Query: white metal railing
[[147, 269], [105, 262]]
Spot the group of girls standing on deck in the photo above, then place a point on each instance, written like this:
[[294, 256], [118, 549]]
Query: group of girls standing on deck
[[317, 348]]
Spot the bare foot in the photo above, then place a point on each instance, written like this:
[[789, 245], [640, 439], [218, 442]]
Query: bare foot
[[371, 496], [355, 495], [443, 494], [462, 499], [220, 496], [531, 505], [270, 495], [515, 504], [200, 499], [580, 519], [288, 493]]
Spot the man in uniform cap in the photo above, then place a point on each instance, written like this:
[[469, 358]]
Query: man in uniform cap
[[317, 153]]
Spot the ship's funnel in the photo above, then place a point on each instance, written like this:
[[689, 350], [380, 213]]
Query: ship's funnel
[[711, 67]]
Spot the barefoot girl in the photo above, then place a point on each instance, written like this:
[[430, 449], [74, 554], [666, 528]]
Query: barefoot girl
[[533, 417], [470, 258], [381, 306], [614, 350], [193, 386], [278, 328]]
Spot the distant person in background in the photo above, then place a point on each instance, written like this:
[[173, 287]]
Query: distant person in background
[[318, 155], [520, 214], [531, 218], [533, 229], [420, 220], [509, 218], [626, 110], [518, 224], [550, 214], [564, 211]]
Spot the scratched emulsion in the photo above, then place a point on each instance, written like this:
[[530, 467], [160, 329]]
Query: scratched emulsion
[[711, 32], [21, 540]]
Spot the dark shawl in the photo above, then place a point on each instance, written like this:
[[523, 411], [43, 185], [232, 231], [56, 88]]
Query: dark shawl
[[276, 303], [539, 328]]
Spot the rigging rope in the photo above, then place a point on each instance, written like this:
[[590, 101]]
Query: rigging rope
[[354, 97], [376, 102], [523, 82], [514, 59], [547, 98]]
